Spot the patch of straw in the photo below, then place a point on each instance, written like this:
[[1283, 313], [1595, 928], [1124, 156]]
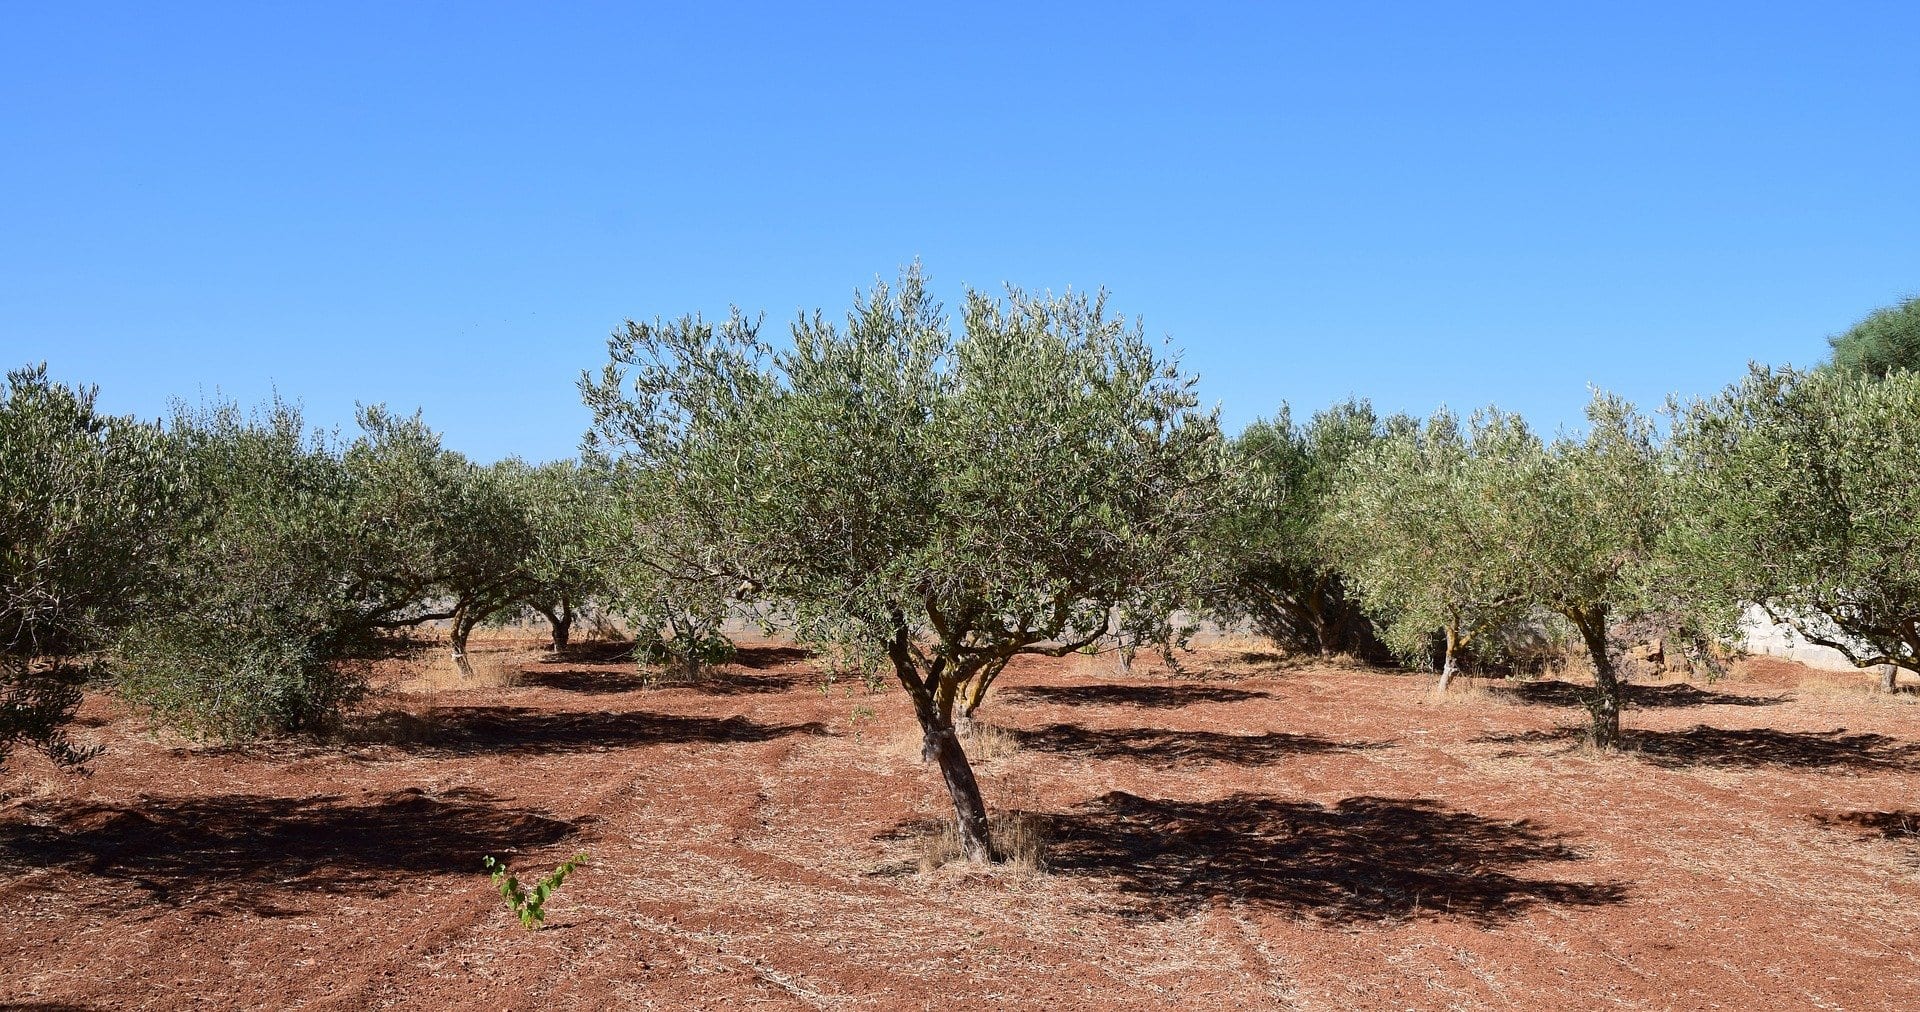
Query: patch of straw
[[1463, 691], [986, 743], [1019, 841], [493, 669], [1860, 686]]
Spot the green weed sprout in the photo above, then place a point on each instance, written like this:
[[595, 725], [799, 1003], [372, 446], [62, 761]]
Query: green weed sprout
[[531, 905]]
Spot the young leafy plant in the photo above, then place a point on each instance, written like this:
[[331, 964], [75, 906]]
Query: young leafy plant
[[531, 905]]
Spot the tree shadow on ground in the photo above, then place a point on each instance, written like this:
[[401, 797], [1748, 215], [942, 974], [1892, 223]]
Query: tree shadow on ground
[[762, 657], [1159, 746], [1159, 696], [244, 852], [1749, 747], [737, 683], [1363, 859], [591, 652], [597, 682], [586, 681], [1675, 696], [1898, 824], [510, 730]]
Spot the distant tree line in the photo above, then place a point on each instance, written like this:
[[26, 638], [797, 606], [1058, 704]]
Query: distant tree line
[[938, 496]]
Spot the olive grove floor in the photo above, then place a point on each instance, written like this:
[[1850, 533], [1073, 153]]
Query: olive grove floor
[[1245, 833]]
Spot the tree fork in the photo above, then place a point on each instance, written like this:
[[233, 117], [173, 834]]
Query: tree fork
[[560, 620]]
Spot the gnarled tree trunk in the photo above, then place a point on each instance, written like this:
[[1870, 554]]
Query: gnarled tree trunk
[[934, 693], [464, 619], [941, 745], [560, 619], [1603, 703], [1448, 666]]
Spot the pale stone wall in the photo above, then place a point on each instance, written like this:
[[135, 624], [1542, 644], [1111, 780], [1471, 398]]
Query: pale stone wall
[[1760, 635]]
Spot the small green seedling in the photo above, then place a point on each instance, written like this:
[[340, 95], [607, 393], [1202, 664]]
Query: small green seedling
[[531, 906], [860, 715]]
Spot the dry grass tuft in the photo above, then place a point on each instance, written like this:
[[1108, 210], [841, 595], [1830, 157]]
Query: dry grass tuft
[[1235, 642], [1561, 668], [492, 669], [1465, 691], [987, 743], [984, 743], [1851, 686], [1019, 840]]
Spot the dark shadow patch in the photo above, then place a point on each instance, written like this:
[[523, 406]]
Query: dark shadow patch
[[1652, 697], [592, 652], [737, 683], [243, 852], [1751, 748], [503, 730], [1363, 859], [1159, 746], [1567, 737], [586, 681], [762, 657], [1158, 696], [1835, 749], [1899, 824], [395, 648], [597, 681]]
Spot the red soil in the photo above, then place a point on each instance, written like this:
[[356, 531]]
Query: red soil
[[1268, 837]]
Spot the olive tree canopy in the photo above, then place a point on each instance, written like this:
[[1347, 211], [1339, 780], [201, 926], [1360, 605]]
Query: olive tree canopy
[[83, 510], [1274, 567], [947, 500], [1420, 523], [1888, 339], [1798, 496]]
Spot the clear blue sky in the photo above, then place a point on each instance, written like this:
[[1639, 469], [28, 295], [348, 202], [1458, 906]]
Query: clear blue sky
[[449, 206]]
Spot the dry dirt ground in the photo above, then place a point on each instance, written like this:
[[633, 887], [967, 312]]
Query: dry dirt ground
[[1246, 835]]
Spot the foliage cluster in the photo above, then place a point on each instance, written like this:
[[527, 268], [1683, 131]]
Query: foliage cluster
[[530, 905], [84, 499], [1273, 563], [1796, 492], [1887, 340]]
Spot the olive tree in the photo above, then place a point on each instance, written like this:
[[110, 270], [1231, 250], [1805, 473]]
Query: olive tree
[[661, 577], [570, 507], [1418, 522], [948, 500], [1887, 340], [1273, 566], [1797, 496], [1588, 515], [290, 556], [260, 596], [484, 539], [83, 506], [477, 543]]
